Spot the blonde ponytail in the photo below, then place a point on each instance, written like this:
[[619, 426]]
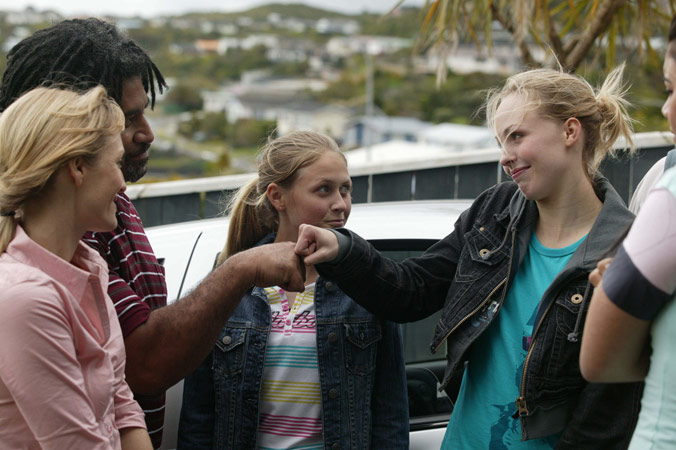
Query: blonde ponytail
[[560, 96], [252, 216]]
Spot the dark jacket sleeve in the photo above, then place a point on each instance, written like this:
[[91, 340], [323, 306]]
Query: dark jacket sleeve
[[196, 425], [401, 291], [389, 417], [595, 422]]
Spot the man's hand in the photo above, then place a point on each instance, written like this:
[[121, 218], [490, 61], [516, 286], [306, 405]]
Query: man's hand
[[274, 265], [316, 245], [597, 274]]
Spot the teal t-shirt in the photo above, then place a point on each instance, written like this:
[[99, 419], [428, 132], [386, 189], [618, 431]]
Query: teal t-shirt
[[482, 417]]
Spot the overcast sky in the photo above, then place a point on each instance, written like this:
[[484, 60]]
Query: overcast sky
[[149, 8]]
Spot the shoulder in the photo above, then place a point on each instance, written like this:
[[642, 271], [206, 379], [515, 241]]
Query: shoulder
[[646, 184], [668, 181], [27, 293], [494, 201]]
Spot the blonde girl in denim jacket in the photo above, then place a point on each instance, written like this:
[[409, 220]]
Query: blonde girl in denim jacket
[[308, 370]]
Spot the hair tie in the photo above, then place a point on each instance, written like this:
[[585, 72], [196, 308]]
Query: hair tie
[[7, 213]]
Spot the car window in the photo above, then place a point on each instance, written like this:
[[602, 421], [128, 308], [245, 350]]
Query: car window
[[417, 336]]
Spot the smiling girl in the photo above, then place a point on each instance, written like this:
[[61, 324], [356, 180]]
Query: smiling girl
[[511, 277], [62, 355], [310, 370]]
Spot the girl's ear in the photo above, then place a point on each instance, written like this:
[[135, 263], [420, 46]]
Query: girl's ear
[[573, 131], [275, 195], [76, 170]]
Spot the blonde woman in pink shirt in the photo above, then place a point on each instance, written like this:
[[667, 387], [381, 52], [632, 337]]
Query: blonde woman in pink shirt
[[61, 350]]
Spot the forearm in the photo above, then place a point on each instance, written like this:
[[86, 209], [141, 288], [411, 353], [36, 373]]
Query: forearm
[[135, 439], [400, 292], [615, 345], [176, 339]]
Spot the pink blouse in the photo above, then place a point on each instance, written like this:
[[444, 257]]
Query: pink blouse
[[62, 354]]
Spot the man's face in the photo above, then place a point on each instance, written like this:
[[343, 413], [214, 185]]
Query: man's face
[[137, 135]]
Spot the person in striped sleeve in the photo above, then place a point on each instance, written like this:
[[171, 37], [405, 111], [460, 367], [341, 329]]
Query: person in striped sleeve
[[163, 343], [306, 371]]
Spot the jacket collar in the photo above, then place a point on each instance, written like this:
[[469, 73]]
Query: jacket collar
[[613, 219]]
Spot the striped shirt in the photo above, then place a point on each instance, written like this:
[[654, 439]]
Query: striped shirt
[[291, 402], [137, 286]]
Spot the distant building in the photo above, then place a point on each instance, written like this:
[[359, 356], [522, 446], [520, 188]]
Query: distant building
[[394, 151], [337, 26], [31, 16], [344, 46], [259, 97], [454, 136], [366, 131], [331, 120], [207, 45]]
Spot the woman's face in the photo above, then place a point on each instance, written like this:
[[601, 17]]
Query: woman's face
[[320, 195], [102, 182], [534, 148], [669, 107]]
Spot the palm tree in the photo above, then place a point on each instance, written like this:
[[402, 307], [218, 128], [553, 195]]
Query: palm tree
[[569, 30]]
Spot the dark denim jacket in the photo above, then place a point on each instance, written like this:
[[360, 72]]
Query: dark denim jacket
[[470, 271], [361, 371]]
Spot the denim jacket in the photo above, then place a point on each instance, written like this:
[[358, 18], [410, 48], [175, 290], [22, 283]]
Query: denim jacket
[[470, 271], [361, 370]]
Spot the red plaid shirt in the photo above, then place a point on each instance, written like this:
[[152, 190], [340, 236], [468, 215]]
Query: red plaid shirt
[[137, 285]]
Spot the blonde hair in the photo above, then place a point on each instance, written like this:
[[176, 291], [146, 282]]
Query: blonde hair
[[559, 96], [252, 215], [39, 133]]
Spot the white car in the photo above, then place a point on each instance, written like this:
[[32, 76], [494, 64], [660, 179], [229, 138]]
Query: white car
[[399, 229]]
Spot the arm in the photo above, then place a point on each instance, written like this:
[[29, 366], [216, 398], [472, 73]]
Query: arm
[[176, 339], [615, 344], [135, 439], [640, 280], [401, 292], [196, 427], [389, 410], [41, 372]]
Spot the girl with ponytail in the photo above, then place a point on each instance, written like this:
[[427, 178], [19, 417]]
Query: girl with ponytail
[[511, 277], [310, 370], [61, 350]]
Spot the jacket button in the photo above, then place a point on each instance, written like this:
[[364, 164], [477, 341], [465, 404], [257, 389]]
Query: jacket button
[[332, 337], [481, 229], [335, 447], [576, 299], [226, 340], [333, 393], [484, 252], [330, 286]]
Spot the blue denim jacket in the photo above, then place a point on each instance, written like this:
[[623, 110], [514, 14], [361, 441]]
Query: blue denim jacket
[[361, 371]]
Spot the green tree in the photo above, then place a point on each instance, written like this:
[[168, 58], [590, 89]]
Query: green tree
[[184, 97], [250, 132]]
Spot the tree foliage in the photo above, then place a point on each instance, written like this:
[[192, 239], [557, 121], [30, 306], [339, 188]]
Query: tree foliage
[[569, 30]]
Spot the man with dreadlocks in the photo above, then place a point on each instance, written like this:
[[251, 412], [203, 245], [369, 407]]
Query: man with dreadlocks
[[163, 343]]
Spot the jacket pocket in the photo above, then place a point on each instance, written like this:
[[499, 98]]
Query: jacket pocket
[[478, 257], [564, 356], [568, 304], [230, 351], [361, 346]]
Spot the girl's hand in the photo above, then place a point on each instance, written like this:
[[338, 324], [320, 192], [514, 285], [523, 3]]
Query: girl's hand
[[316, 245], [597, 274]]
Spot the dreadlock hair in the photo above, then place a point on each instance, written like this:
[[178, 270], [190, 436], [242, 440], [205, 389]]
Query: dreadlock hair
[[80, 54]]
